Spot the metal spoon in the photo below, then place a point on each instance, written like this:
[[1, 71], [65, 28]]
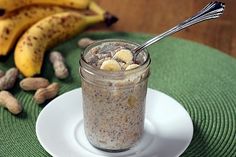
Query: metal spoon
[[211, 11]]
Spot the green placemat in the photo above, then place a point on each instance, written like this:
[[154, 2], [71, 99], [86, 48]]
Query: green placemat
[[202, 79]]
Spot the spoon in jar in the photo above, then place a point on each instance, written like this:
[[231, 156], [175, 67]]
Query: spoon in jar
[[211, 11]]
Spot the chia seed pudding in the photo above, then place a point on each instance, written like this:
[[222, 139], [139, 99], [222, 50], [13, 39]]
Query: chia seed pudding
[[114, 87]]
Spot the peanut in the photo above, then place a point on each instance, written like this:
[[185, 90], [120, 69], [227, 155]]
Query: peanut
[[44, 94], [59, 66], [8, 80], [85, 42], [8, 101], [33, 83]]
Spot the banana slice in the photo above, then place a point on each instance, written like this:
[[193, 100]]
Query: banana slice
[[132, 66], [110, 65], [124, 55]]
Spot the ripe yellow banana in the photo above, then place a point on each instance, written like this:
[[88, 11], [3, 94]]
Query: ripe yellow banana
[[12, 26], [30, 49], [9, 5]]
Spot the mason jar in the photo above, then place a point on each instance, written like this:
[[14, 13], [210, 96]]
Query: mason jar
[[114, 102]]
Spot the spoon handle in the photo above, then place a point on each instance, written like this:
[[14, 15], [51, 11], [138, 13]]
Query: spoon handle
[[211, 11]]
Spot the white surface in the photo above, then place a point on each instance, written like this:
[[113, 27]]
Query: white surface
[[168, 128]]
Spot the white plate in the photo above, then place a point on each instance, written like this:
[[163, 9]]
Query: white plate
[[168, 128]]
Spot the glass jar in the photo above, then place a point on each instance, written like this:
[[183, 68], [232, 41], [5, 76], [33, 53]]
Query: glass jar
[[114, 102]]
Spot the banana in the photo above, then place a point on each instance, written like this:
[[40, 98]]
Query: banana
[[13, 25], [110, 65], [132, 66], [124, 55], [30, 49], [10, 5], [96, 8]]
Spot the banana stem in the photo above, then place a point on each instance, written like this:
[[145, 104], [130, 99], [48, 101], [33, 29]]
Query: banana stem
[[107, 18], [94, 19], [96, 8], [2, 12]]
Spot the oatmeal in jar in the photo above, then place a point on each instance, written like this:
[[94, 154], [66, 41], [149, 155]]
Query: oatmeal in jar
[[114, 86]]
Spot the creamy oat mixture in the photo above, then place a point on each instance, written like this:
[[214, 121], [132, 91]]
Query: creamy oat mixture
[[113, 57], [114, 112]]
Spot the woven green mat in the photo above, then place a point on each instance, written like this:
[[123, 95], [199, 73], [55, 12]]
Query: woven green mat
[[202, 79]]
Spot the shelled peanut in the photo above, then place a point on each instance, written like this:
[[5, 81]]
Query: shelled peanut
[[44, 90], [8, 101], [85, 42], [44, 94], [59, 66], [30, 84], [7, 80]]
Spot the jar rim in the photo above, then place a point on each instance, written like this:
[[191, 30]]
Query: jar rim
[[112, 74]]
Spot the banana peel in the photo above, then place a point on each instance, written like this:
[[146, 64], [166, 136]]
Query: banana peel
[[30, 50], [13, 25], [10, 5]]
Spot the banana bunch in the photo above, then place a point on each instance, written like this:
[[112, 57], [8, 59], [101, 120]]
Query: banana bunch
[[13, 26], [30, 49], [36, 25]]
